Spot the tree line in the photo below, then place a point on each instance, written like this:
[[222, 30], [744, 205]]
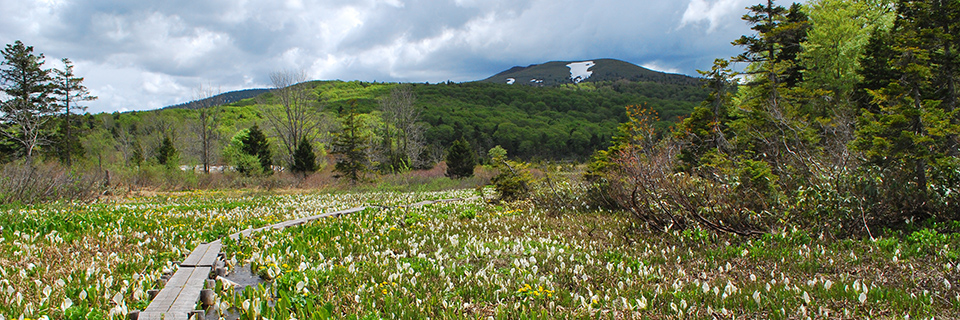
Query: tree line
[[842, 117]]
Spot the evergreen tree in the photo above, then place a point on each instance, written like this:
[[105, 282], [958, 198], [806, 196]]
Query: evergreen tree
[[255, 143], [350, 148], [26, 115], [304, 160], [769, 123], [876, 69], [460, 159], [909, 130], [706, 130], [70, 89], [167, 153]]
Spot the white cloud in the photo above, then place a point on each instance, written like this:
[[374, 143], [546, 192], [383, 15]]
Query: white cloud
[[658, 66], [712, 12]]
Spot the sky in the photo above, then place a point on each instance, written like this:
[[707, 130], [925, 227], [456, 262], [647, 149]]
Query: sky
[[141, 55]]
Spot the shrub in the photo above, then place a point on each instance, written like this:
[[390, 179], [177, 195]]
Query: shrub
[[27, 183], [513, 181], [237, 154]]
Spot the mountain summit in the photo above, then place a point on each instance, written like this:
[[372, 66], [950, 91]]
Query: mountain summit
[[597, 70]]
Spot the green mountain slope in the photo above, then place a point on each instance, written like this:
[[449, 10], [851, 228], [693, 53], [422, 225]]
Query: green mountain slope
[[562, 121], [559, 122], [221, 99]]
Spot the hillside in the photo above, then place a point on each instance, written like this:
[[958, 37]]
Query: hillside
[[221, 99], [597, 70], [556, 122], [559, 122]]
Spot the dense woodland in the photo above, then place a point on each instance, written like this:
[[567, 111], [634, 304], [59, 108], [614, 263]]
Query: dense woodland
[[839, 114]]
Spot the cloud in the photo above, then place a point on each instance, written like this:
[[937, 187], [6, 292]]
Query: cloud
[[656, 66], [713, 13], [148, 54]]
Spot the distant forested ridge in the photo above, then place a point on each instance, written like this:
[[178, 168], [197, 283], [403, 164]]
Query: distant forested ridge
[[221, 99]]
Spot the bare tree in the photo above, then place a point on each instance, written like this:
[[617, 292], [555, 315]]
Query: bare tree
[[207, 103], [403, 132], [299, 115]]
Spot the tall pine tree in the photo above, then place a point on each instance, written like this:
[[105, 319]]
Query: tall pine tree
[[27, 114], [70, 91], [255, 143], [350, 148]]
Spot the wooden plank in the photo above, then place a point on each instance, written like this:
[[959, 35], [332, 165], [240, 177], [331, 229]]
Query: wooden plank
[[195, 255], [335, 213], [204, 255], [189, 295], [179, 297]]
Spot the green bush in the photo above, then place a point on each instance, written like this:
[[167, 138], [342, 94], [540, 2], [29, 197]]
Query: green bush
[[513, 182]]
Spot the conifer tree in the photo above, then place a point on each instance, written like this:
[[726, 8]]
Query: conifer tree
[[70, 89], [706, 129], [350, 147], [167, 153], [460, 159], [255, 143], [304, 160], [30, 107], [908, 131]]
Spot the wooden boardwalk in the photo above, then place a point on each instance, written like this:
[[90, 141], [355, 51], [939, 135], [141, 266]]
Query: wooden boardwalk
[[178, 298]]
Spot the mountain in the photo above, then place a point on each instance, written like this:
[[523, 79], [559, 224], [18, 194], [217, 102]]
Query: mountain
[[598, 70], [220, 99]]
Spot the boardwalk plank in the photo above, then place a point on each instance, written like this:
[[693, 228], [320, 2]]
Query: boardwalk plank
[[179, 297], [195, 255]]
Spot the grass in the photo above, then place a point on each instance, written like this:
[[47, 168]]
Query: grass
[[457, 260]]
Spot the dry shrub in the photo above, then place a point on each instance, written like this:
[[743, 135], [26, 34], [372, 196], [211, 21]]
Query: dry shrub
[[28, 183], [645, 183], [559, 190]]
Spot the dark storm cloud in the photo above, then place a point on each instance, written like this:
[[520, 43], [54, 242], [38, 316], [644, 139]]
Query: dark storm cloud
[[148, 54]]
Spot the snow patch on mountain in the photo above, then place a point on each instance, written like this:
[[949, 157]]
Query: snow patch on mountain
[[511, 80], [580, 71]]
